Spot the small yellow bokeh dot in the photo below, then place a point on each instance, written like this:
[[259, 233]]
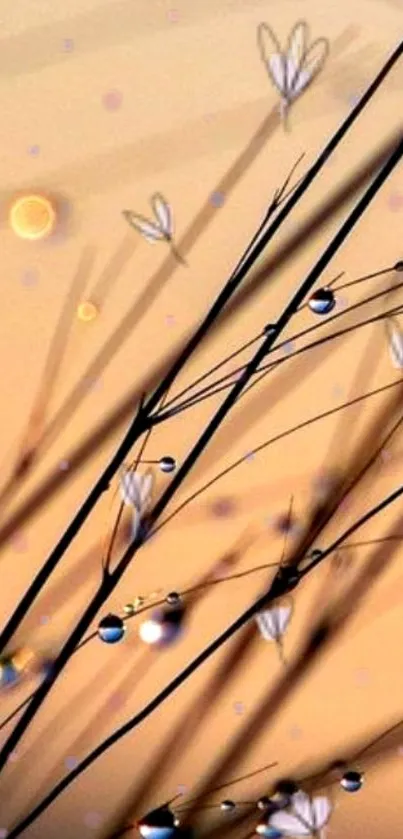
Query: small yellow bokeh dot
[[32, 217], [87, 311]]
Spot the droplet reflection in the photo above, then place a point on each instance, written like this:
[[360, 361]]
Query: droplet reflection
[[111, 629], [322, 301]]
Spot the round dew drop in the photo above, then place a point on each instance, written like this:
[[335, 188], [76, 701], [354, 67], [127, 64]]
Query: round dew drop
[[227, 805], [167, 464], [111, 629], [352, 781], [322, 301]]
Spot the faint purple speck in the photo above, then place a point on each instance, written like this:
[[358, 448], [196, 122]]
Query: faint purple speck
[[354, 99], [34, 150], [116, 702], [173, 15], [94, 384], [68, 45], [13, 757], [71, 762], [395, 201], [400, 751], [285, 523], [182, 789], [92, 820], [345, 505], [288, 347], [112, 100], [3, 833], [361, 677], [386, 456], [250, 456], [295, 732], [44, 619], [29, 277], [20, 543], [223, 507], [64, 465], [323, 485], [217, 199], [239, 708], [341, 302], [170, 320]]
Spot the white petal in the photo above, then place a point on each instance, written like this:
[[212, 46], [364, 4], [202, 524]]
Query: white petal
[[277, 68], [296, 49], [130, 484], [273, 622], [292, 70], [267, 42], [135, 523], [395, 340], [321, 811], [146, 486], [283, 617], [266, 625], [302, 807], [163, 214], [135, 489], [146, 228], [288, 824], [312, 64]]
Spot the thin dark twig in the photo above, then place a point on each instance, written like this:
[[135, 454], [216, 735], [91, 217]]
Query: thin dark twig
[[212, 389]]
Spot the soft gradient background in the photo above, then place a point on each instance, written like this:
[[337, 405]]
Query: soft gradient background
[[103, 104]]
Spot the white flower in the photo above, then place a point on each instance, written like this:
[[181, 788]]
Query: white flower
[[306, 816], [152, 231], [293, 70], [135, 491], [395, 341], [272, 623]]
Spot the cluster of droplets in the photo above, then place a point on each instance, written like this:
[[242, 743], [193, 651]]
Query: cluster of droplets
[[288, 802], [161, 629]]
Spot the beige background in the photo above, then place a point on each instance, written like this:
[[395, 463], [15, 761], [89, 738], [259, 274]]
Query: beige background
[[122, 99]]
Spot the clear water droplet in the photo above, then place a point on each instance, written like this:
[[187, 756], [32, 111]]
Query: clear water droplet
[[322, 301], [173, 598], [167, 464], [263, 803], [111, 629], [227, 805], [265, 829], [157, 824], [352, 781]]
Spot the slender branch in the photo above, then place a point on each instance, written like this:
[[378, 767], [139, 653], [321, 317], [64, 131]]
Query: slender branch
[[264, 369]]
